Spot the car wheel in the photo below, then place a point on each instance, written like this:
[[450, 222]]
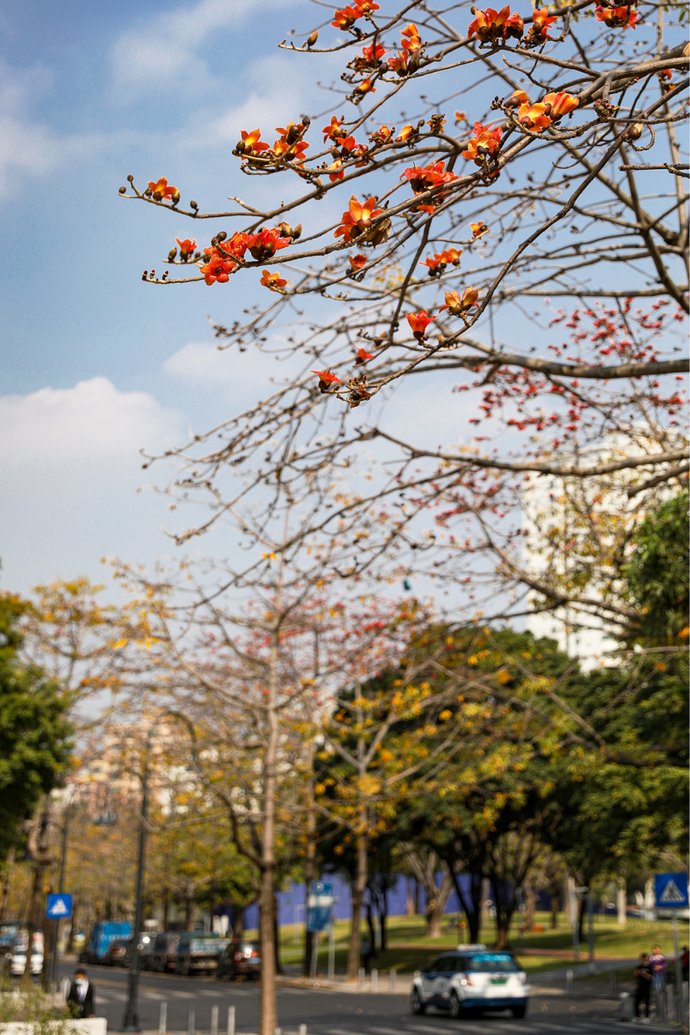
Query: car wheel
[[455, 1006], [519, 1011], [416, 1004]]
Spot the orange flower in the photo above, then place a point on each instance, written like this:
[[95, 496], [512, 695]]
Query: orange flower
[[357, 262], [250, 144], [218, 269], [361, 356], [423, 177], [162, 190], [533, 117], [366, 86], [326, 379], [458, 306], [335, 171], [478, 229], [560, 104], [357, 221], [347, 16], [492, 26], [273, 281], [438, 262], [264, 244], [419, 322], [410, 39], [407, 134], [334, 130], [483, 148], [187, 248], [617, 17], [539, 29], [381, 136]]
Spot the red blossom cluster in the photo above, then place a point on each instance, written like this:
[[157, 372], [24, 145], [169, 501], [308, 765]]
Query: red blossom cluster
[[346, 17], [617, 17], [494, 27], [226, 254], [437, 263], [539, 116], [407, 60], [289, 148], [483, 148]]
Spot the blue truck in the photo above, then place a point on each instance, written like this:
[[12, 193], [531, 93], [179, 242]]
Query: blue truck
[[101, 938]]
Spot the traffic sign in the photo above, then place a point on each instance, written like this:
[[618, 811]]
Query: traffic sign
[[58, 906], [671, 890], [319, 905]]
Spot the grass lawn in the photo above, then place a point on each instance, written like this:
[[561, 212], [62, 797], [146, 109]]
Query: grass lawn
[[409, 948]]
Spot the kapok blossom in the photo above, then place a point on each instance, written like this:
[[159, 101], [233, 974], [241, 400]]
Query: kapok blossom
[[187, 247], [484, 145], [264, 244], [357, 262], [326, 379], [438, 262], [421, 178], [542, 20], [162, 190], [410, 39], [419, 322], [479, 229], [346, 17], [617, 17], [334, 130], [362, 356], [251, 143], [357, 221], [218, 269], [273, 281], [457, 305], [492, 26]]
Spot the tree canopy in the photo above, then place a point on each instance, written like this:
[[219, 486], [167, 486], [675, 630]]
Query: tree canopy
[[35, 732]]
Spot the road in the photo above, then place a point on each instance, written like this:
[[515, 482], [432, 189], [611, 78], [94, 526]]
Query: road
[[328, 1011]]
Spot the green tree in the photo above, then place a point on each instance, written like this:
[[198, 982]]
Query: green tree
[[35, 732]]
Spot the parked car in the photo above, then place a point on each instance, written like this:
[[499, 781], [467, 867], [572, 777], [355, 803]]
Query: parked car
[[163, 955], [471, 978], [198, 951], [102, 936], [240, 958], [18, 958]]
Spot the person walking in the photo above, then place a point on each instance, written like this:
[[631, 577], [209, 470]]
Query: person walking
[[643, 988], [80, 998]]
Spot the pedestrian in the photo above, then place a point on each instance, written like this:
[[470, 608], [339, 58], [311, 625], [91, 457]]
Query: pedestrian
[[80, 998], [643, 988], [657, 962], [684, 958]]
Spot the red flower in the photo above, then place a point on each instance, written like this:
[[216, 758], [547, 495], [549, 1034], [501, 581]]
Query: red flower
[[357, 221], [251, 144], [483, 148], [347, 16], [357, 262], [560, 104], [539, 29], [423, 177], [438, 262], [264, 244], [617, 17], [218, 269], [162, 190], [273, 281], [410, 38], [361, 356], [419, 322], [492, 26], [187, 248], [326, 379], [334, 130]]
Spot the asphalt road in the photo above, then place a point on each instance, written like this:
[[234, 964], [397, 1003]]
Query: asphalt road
[[329, 1011]]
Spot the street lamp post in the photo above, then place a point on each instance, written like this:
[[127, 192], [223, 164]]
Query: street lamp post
[[131, 1019]]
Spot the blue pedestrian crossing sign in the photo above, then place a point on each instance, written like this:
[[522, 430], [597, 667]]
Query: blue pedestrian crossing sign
[[319, 905], [671, 890], [58, 906]]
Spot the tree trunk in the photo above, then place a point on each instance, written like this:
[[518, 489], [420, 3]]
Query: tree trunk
[[268, 1010], [621, 903], [411, 896], [358, 889]]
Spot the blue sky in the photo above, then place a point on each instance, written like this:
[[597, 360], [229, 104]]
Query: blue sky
[[97, 364]]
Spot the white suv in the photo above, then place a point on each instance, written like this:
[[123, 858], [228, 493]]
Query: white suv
[[471, 977]]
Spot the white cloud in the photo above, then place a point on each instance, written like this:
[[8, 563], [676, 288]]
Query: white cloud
[[30, 148], [239, 376], [164, 50], [71, 475], [92, 421]]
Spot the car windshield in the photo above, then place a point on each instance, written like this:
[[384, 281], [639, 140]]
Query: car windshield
[[492, 962]]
